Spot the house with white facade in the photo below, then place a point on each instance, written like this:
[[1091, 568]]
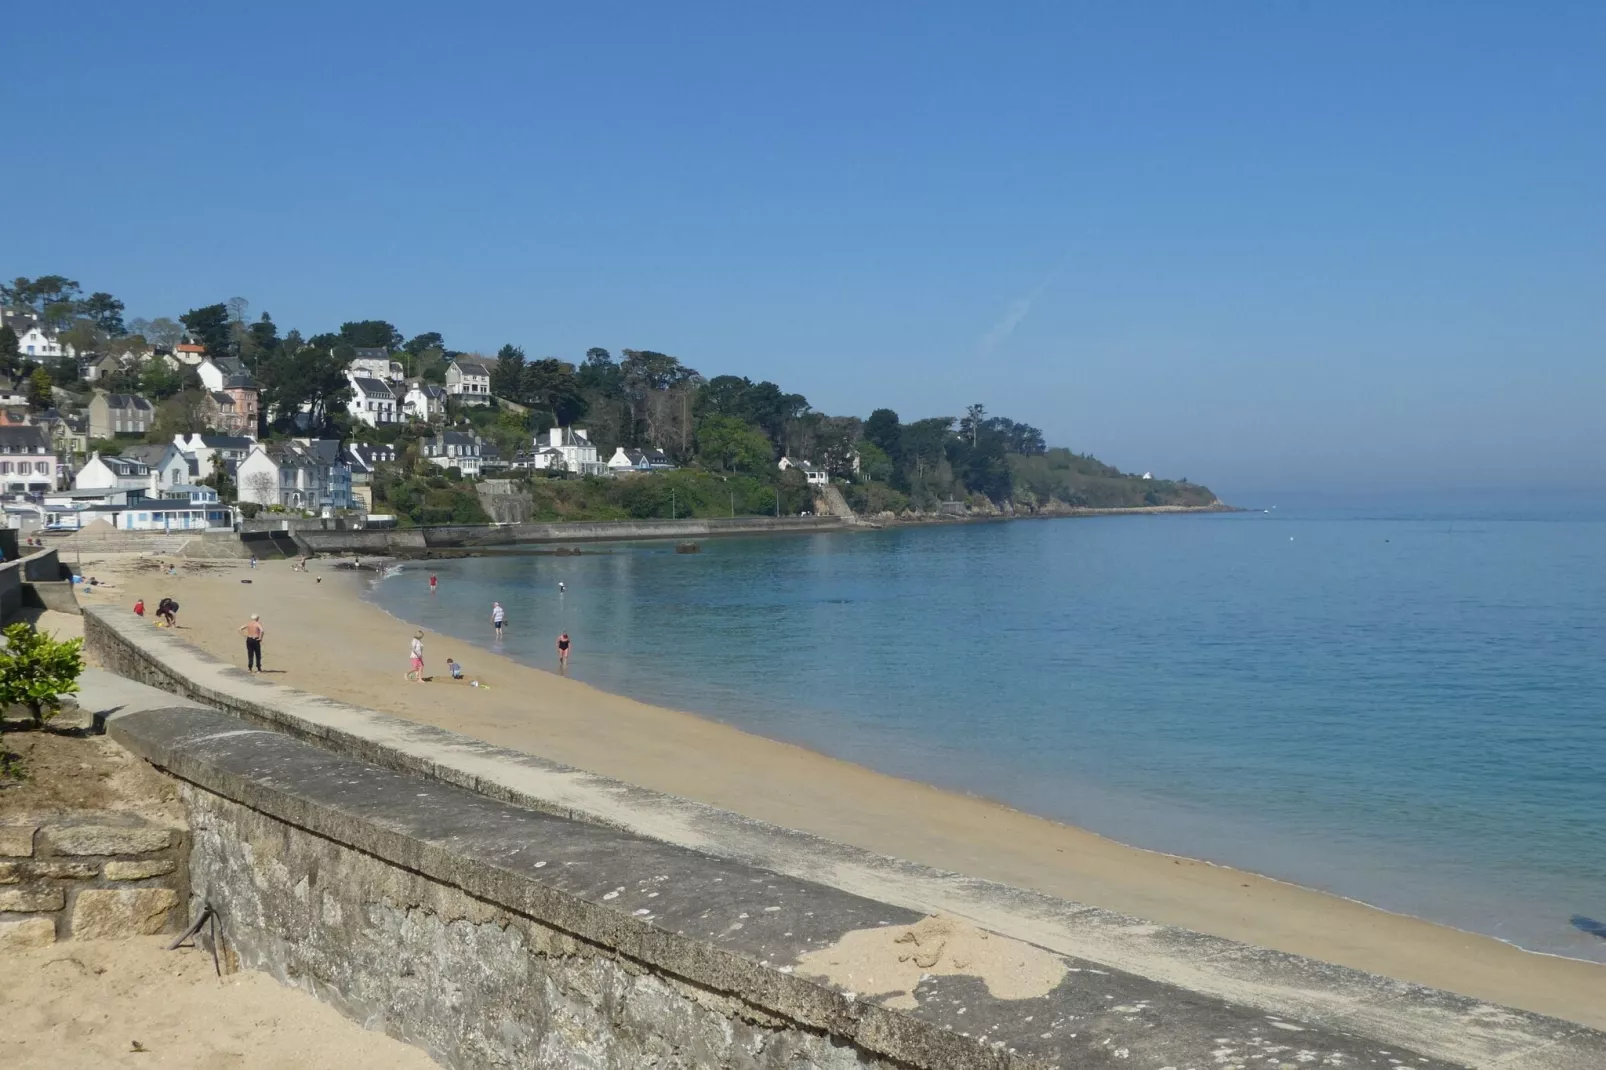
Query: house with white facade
[[567, 449], [653, 460], [189, 354], [424, 401], [454, 449], [469, 381], [112, 473], [373, 402], [169, 464], [815, 476], [308, 474], [231, 449], [373, 362], [28, 463], [180, 508], [35, 340], [364, 458]]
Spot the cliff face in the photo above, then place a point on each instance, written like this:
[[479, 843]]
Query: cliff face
[[502, 503]]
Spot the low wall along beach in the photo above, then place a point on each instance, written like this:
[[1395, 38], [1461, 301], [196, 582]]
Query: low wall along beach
[[499, 909]]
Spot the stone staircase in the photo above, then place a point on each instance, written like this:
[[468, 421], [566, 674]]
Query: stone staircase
[[828, 501]]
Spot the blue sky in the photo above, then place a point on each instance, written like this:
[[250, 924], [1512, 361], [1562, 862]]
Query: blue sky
[[1262, 245]]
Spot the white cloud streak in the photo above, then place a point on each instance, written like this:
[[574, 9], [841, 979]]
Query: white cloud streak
[[1015, 312]]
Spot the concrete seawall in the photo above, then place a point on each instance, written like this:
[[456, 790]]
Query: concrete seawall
[[1159, 966], [403, 541]]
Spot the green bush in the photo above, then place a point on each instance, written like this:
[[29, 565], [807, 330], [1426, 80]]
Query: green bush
[[36, 670]]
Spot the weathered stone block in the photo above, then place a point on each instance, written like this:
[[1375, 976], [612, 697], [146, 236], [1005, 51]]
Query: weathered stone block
[[100, 913], [106, 840], [16, 841], [30, 900], [138, 871], [50, 867], [10, 872], [29, 932]]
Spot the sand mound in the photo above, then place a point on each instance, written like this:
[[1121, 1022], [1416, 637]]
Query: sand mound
[[888, 962]]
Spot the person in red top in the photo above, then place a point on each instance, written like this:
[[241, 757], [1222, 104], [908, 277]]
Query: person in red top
[[432, 584], [139, 608]]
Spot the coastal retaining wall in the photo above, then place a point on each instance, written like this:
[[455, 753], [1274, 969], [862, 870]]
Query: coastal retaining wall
[[36, 580], [493, 935], [1211, 971], [467, 536]]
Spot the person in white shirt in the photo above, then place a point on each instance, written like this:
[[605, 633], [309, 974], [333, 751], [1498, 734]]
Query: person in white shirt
[[416, 671], [498, 618]]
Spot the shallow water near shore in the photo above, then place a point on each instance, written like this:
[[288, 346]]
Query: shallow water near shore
[[1396, 702]]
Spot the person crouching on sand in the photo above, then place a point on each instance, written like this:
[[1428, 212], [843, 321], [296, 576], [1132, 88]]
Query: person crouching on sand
[[253, 632], [416, 670], [454, 669]]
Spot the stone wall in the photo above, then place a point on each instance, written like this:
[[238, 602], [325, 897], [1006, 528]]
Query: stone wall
[[89, 876]]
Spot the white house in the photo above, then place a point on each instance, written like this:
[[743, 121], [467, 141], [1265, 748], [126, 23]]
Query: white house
[[372, 400], [169, 464], [190, 355], [424, 401], [180, 508], [373, 362], [814, 475], [567, 449], [310, 474], [454, 449], [624, 460], [231, 448], [469, 381], [40, 342], [364, 458], [112, 473], [27, 459]]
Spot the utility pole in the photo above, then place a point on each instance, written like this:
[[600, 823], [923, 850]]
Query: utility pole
[[671, 503]]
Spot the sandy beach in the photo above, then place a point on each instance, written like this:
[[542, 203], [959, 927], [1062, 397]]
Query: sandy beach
[[323, 639]]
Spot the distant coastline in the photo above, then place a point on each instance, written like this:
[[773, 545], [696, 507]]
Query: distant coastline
[[461, 539]]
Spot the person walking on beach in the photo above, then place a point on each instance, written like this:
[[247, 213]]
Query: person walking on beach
[[498, 618], [253, 560], [415, 670], [563, 654], [253, 632], [432, 583], [139, 608]]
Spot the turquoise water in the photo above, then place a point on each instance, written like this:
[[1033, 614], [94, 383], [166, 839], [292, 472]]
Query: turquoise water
[[1404, 705]]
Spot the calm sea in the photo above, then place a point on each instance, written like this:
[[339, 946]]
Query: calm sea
[[1404, 704]]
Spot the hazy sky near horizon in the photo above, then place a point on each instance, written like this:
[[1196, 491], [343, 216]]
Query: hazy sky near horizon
[[1261, 245]]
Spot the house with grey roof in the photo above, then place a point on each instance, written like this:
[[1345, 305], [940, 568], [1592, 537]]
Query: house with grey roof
[[119, 414], [469, 381], [454, 449], [372, 401]]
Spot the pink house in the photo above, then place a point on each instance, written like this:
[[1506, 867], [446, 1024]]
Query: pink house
[[28, 461]]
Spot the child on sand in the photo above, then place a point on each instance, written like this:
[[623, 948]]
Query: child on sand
[[139, 608], [454, 668]]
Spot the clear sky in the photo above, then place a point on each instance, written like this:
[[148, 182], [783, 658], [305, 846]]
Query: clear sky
[[1261, 245]]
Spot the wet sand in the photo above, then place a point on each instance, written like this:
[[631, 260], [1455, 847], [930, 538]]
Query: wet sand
[[323, 639]]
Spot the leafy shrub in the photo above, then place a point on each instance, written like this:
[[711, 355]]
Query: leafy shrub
[[36, 670]]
